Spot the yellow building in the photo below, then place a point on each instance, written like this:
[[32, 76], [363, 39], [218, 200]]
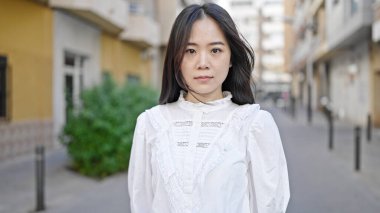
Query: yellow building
[[124, 61], [26, 76], [49, 46], [26, 43]]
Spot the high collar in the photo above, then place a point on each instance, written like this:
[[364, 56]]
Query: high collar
[[208, 106]]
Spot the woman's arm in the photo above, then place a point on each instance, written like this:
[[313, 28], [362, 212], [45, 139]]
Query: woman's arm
[[268, 173], [139, 171]]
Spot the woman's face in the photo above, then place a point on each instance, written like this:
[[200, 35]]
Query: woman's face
[[206, 61]]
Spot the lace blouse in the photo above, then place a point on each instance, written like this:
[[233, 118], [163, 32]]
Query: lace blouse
[[207, 158]]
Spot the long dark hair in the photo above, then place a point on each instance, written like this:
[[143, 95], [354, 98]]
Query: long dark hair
[[238, 81]]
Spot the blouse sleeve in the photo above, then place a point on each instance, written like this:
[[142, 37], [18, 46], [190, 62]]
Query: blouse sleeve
[[139, 171], [268, 174]]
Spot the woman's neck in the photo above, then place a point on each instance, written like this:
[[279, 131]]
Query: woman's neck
[[204, 98]]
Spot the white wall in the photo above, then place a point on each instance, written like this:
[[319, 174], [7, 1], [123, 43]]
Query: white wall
[[350, 92], [74, 35]]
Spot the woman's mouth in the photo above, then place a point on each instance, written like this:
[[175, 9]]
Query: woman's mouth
[[203, 78]]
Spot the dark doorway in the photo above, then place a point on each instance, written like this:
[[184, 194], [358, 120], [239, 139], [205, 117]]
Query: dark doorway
[[3, 86]]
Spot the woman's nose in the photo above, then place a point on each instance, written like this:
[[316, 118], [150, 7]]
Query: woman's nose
[[203, 61]]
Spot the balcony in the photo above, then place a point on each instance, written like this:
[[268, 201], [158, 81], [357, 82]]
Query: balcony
[[142, 31], [110, 15], [348, 26], [314, 7]]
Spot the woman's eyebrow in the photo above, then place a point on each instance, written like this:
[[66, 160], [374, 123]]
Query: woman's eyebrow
[[192, 44], [217, 43], [211, 44]]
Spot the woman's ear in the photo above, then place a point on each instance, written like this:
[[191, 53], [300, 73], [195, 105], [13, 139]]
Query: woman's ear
[[230, 64]]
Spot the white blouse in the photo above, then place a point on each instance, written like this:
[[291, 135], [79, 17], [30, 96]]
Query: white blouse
[[207, 158]]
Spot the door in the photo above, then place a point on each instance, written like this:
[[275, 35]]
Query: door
[[3, 87], [73, 80], [376, 99]]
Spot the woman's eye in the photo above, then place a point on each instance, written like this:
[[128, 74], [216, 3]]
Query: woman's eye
[[191, 51], [216, 50]]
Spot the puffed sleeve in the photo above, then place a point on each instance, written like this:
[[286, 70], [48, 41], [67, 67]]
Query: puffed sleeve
[[139, 171], [268, 174]]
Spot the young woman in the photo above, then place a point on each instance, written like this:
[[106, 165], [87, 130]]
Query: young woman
[[207, 147]]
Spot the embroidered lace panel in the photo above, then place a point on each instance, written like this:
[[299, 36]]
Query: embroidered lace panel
[[216, 124]]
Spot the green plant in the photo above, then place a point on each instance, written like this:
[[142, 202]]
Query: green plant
[[99, 134]]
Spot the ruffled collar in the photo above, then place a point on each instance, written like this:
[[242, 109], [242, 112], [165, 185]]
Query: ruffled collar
[[208, 106]]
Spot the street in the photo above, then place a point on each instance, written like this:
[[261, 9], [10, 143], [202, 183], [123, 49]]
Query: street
[[323, 180]]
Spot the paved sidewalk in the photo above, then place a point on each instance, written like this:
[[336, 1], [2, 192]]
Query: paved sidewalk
[[66, 191], [344, 146], [323, 180]]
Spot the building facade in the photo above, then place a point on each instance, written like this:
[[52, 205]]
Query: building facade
[[375, 65], [26, 58], [331, 60], [51, 50], [275, 78], [261, 24]]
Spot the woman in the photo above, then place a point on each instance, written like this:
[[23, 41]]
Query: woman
[[207, 147]]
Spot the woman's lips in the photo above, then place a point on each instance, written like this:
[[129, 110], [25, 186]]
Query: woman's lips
[[203, 78]]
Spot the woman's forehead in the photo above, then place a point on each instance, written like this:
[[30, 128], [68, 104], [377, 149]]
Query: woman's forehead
[[206, 31]]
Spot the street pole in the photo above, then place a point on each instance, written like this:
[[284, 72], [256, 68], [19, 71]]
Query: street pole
[[357, 148], [369, 128], [309, 110], [40, 180], [293, 105], [331, 129], [309, 79]]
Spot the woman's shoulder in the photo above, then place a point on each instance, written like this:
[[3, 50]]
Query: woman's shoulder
[[247, 111], [153, 110], [153, 116], [254, 116]]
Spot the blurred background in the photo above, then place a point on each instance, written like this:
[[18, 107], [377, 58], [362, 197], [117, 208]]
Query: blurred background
[[74, 75]]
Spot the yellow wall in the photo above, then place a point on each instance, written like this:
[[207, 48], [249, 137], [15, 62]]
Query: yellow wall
[[121, 58], [375, 84], [26, 40]]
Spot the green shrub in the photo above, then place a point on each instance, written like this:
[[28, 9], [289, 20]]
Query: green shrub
[[99, 135]]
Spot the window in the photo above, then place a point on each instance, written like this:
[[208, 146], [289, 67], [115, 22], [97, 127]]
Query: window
[[69, 94], [82, 61], [136, 8], [302, 33], [314, 25], [69, 60], [241, 3], [133, 79], [106, 75], [74, 79], [3, 86], [354, 6]]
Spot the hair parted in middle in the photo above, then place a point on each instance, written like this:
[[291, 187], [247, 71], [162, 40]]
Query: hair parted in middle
[[239, 80]]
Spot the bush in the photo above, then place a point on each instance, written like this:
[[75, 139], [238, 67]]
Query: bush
[[99, 135]]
